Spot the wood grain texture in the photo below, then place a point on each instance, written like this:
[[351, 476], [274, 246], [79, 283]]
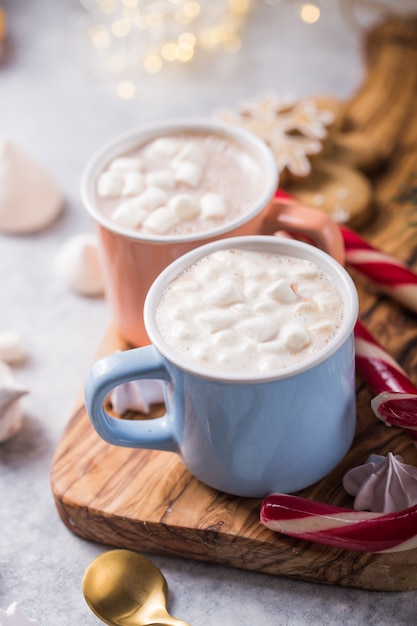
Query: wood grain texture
[[147, 501]]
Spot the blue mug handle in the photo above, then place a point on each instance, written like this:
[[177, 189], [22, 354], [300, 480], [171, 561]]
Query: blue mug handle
[[122, 367]]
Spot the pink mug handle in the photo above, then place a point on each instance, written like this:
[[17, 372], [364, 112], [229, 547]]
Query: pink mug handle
[[288, 215]]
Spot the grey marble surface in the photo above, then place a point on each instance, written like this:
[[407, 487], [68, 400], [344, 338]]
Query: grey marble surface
[[59, 111]]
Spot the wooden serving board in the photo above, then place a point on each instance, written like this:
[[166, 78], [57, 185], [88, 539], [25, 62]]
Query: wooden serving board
[[146, 501]]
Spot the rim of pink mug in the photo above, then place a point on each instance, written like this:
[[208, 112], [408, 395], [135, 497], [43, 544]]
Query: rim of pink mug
[[141, 134], [267, 244]]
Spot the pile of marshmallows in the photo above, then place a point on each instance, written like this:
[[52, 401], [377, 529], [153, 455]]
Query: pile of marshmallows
[[149, 204]]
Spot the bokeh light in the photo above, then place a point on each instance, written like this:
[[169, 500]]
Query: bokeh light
[[310, 13], [133, 36]]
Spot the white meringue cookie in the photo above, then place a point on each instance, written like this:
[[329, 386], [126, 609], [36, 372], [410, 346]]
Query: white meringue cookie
[[382, 484], [15, 617], [10, 411], [77, 264], [29, 198], [11, 350], [136, 395]]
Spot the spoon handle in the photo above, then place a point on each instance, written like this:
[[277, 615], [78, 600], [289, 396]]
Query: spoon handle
[[161, 617], [170, 621]]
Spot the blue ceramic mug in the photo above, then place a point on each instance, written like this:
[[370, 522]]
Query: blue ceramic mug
[[245, 434]]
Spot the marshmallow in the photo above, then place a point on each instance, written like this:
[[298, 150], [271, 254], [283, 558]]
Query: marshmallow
[[126, 164], [241, 309], [306, 269], [211, 271], [184, 284], [225, 293], [216, 320], [282, 292], [181, 330], [200, 351], [191, 152], [251, 269], [179, 312], [164, 147], [161, 220], [184, 206], [164, 179], [10, 411], [252, 288], [223, 259], [188, 173], [129, 214], [306, 291], [133, 184], [259, 329], [109, 184], [265, 305], [323, 326], [304, 307], [78, 265], [269, 362], [271, 348], [152, 198], [324, 301], [294, 336], [10, 347], [235, 359], [213, 206]]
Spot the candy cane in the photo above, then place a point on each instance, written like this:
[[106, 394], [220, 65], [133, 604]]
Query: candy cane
[[397, 409], [377, 367], [396, 403], [389, 274], [396, 399], [339, 527]]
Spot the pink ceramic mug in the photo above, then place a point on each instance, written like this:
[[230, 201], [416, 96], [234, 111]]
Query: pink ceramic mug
[[132, 260]]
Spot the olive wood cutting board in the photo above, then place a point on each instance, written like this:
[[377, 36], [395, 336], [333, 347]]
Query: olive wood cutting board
[[147, 501]]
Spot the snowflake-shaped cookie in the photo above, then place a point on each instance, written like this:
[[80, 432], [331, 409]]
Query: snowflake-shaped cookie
[[294, 129]]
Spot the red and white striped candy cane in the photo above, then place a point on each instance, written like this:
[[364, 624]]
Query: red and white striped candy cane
[[396, 402], [339, 527], [346, 528], [389, 274]]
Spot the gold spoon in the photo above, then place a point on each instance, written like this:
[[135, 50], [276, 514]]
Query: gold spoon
[[124, 588]]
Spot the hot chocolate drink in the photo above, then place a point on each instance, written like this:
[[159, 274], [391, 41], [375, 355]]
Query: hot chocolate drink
[[245, 311], [162, 190], [252, 340], [180, 183]]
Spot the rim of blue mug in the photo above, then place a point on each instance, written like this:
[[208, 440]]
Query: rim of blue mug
[[141, 134], [262, 243]]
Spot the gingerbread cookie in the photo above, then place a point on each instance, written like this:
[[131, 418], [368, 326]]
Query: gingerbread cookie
[[339, 190], [318, 161], [339, 185]]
